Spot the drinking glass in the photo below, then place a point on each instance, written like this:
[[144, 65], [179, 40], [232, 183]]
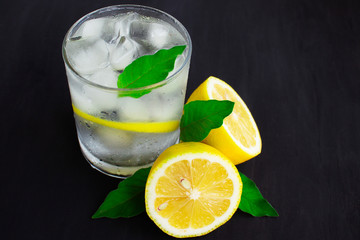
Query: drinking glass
[[122, 130]]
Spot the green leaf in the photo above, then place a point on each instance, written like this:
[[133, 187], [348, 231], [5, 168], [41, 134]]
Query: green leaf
[[148, 70], [253, 202], [201, 116], [127, 200]]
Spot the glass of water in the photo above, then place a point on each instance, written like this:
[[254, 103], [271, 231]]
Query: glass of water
[[119, 134]]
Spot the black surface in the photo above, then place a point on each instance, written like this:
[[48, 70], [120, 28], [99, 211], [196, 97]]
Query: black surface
[[295, 63]]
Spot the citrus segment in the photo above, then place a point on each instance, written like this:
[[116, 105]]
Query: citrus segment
[[238, 138], [192, 189], [198, 167], [145, 127], [167, 206], [169, 188]]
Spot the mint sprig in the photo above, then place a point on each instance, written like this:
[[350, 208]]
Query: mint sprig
[[148, 70], [128, 199]]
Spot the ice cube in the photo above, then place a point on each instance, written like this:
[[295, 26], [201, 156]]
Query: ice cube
[[107, 29], [76, 91], [105, 77], [124, 53], [139, 31], [133, 110], [114, 138], [154, 35], [111, 31], [158, 35], [91, 28], [166, 108], [87, 55], [125, 22], [101, 99]]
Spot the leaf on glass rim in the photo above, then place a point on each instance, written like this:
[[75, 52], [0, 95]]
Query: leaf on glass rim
[[201, 116], [253, 202], [127, 200], [148, 70]]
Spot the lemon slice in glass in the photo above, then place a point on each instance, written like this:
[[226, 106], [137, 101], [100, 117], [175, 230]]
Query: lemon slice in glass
[[143, 127]]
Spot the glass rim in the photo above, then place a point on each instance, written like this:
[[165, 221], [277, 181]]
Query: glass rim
[[128, 6]]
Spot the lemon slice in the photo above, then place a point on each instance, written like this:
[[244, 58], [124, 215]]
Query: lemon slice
[[192, 189], [144, 127], [238, 138]]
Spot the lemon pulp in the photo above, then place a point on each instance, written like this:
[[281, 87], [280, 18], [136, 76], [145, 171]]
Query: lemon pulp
[[192, 189], [203, 195], [238, 138], [238, 121]]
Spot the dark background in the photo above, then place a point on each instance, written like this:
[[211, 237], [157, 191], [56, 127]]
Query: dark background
[[295, 63]]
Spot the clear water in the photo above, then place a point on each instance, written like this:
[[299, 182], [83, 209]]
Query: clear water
[[98, 51]]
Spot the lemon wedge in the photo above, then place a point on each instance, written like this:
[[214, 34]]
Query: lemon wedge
[[192, 189], [143, 127], [238, 138]]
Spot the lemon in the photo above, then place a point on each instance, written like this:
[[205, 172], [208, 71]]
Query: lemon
[[143, 127], [238, 138], [192, 189]]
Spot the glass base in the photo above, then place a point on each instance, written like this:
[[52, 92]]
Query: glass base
[[109, 169]]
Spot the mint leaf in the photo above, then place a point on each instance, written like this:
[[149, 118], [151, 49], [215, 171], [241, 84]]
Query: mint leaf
[[201, 116], [147, 70], [253, 202], [127, 200]]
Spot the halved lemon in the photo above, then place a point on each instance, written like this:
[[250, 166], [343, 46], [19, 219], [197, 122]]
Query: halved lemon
[[143, 127], [238, 138], [192, 189]]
